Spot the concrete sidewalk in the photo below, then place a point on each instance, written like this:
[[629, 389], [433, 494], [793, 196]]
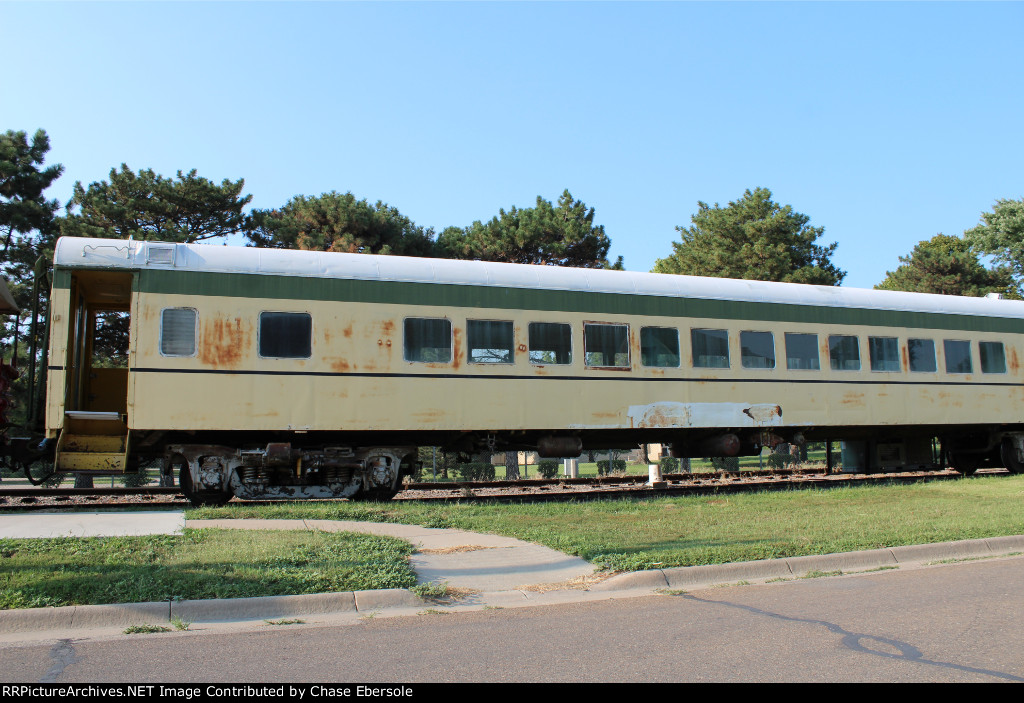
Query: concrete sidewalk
[[487, 570]]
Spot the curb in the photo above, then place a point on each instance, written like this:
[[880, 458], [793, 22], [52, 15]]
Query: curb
[[799, 567], [71, 617]]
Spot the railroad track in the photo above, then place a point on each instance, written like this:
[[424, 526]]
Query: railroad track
[[34, 498]]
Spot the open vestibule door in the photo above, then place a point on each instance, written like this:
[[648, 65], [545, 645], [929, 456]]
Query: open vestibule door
[[95, 323]]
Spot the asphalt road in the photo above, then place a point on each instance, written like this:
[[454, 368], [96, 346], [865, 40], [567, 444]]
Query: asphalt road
[[959, 622]]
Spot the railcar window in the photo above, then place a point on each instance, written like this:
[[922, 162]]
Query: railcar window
[[178, 331], [757, 350], [550, 343], [844, 352], [710, 348], [428, 339], [490, 341], [286, 335], [659, 346], [958, 356], [922, 355], [993, 358], [802, 352], [606, 345], [884, 353]]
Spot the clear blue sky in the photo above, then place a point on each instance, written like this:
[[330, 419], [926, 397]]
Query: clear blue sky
[[884, 122]]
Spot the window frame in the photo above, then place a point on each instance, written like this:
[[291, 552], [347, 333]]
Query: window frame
[[981, 357], [259, 333], [775, 356], [817, 350], [511, 349], [871, 355], [910, 356], [530, 350], [945, 356], [860, 358], [195, 335], [405, 338], [693, 347], [679, 350], [615, 367]]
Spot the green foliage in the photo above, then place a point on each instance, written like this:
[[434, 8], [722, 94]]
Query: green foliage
[[725, 463], [197, 564], [606, 467], [27, 225], [435, 590], [752, 238], [23, 209], [562, 235], [948, 266], [134, 479], [780, 461], [547, 468], [475, 471], [145, 629], [339, 222], [1001, 235], [149, 206], [668, 464]]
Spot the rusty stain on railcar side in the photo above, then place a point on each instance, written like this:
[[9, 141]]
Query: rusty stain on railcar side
[[456, 347], [1013, 362], [224, 341]]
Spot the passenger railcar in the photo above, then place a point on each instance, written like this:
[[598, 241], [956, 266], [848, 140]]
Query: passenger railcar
[[272, 373]]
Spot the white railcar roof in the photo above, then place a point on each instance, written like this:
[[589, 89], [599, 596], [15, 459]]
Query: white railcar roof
[[75, 252]]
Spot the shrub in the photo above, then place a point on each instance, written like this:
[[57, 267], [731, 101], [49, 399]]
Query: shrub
[[668, 464], [547, 468], [618, 466], [475, 471], [725, 463]]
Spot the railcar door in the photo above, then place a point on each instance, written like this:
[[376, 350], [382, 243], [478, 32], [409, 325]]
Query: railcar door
[[94, 434]]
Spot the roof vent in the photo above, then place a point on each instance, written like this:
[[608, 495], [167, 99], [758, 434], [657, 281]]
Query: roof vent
[[160, 255], [994, 296]]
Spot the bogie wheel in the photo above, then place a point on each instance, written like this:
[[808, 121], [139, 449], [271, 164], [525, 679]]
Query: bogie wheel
[[1011, 457], [965, 463], [196, 498]]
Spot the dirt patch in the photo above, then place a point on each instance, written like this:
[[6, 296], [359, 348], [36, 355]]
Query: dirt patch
[[580, 583], [454, 550]]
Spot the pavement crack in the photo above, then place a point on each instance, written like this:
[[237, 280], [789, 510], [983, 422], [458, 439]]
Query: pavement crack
[[865, 643], [63, 656]]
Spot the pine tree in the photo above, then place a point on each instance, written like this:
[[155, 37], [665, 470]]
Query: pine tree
[[752, 238]]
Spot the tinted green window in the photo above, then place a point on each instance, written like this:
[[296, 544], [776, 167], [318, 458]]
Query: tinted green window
[[659, 346], [802, 352], [606, 345], [428, 339], [550, 343], [884, 353], [958, 356], [710, 348], [844, 353], [490, 341], [757, 350], [922, 355], [286, 335], [993, 358]]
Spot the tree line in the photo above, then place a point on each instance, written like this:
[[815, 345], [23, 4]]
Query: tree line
[[753, 237]]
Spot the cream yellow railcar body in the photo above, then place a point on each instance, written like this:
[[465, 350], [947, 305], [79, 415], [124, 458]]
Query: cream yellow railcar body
[[269, 373]]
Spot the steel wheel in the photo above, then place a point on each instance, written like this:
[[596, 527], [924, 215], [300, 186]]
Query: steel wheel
[[1011, 457], [966, 464]]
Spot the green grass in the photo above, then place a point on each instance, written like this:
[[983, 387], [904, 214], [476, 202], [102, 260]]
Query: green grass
[[631, 534], [197, 564]]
